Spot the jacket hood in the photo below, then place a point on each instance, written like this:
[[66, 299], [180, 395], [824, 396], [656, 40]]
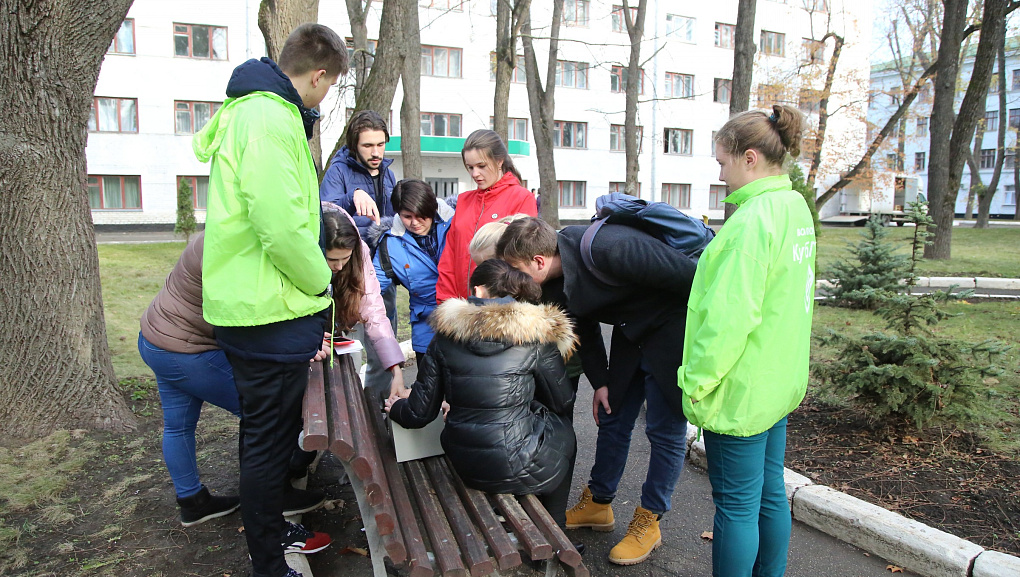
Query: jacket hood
[[265, 76], [352, 161], [443, 214], [513, 323]]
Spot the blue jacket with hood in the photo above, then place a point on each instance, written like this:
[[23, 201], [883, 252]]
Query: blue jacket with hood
[[345, 175]]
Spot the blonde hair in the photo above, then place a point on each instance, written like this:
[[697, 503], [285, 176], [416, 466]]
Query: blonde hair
[[483, 245], [773, 136]]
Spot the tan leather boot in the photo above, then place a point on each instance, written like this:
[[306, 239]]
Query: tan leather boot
[[642, 538], [587, 513]]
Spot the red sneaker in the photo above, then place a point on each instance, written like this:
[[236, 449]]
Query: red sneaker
[[298, 539]]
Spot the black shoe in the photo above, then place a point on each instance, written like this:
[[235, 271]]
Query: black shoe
[[298, 501], [202, 506], [299, 462], [580, 548]]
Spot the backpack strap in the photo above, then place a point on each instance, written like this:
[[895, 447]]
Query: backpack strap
[[586, 258], [384, 259]]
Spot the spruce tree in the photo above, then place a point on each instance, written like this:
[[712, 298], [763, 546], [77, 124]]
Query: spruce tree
[[872, 269], [186, 224], [797, 179]]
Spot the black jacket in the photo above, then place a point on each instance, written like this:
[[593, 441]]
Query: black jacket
[[648, 313], [499, 364]]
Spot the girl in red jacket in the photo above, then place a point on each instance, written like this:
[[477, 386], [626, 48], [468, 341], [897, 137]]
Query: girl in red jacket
[[499, 194]]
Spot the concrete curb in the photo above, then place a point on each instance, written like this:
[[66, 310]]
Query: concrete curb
[[901, 541], [962, 283]]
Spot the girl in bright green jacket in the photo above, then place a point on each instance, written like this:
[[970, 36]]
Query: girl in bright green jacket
[[745, 363]]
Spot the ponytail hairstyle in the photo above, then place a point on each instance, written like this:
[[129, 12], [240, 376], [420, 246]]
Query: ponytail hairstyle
[[500, 279], [774, 136], [349, 283], [492, 147]]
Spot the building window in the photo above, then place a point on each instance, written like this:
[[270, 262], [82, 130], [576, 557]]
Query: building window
[[570, 134], [678, 195], [519, 74], [440, 61], [113, 115], [190, 117], [772, 43], [619, 22], [571, 74], [455, 5], [124, 41], [1008, 160], [1009, 195], [816, 5], [894, 162], [724, 34], [814, 51], [194, 41], [769, 94], [988, 158], [919, 161], [517, 128], [1016, 79], [1014, 117], [712, 142], [809, 101], [622, 187], [618, 79], [722, 90], [199, 189], [369, 58], [922, 126], [678, 141], [618, 135], [680, 28], [575, 12], [114, 192], [439, 124], [572, 193], [716, 194], [991, 120], [993, 85], [679, 85]]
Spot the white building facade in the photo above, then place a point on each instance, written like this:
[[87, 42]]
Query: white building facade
[[912, 160], [167, 71]]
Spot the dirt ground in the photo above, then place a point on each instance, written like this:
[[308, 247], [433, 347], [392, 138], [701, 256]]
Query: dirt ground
[[116, 515]]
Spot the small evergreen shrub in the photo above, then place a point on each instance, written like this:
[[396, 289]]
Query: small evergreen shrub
[[186, 223], [872, 269], [799, 184], [908, 371]]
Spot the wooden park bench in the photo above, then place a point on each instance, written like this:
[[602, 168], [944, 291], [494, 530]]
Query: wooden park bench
[[419, 515]]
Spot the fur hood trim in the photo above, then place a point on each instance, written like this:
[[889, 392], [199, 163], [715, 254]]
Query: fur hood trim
[[515, 323]]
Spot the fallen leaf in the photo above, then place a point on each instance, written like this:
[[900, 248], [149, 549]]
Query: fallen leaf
[[707, 535], [358, 550], [894, 569], [333, 504], [240, 529]]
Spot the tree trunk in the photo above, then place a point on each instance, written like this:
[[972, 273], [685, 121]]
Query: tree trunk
[[542, 107], [410, 107], [743, 65], [381, 85], [635, 29], [823, 108], [55, 369], [1016, 181], [985, 199], [357, 13], [944, 186], [509, 19], [975, 169], [277, 19]]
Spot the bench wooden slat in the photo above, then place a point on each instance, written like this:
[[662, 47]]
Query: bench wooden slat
[[564, 547], [503, 548], [376, 486], [314, 411], [463, 529], [534, 543], [342, 443], [444, 545]]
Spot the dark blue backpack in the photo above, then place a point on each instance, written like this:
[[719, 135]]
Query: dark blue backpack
[[664, 221]]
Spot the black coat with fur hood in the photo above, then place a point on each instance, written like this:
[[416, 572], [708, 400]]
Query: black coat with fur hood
[[499, 364]]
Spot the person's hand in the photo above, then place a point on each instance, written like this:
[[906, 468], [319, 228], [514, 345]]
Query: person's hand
[[323, 352], [601, 398], [446, 409], [365, 206], [397, 383], [388, 403]]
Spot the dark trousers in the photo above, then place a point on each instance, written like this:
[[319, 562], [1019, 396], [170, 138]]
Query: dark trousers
[[556, 500], [271, 395]]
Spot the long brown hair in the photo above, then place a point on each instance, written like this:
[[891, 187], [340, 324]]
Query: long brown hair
[[492, 147], [773, 135], [349, 283]]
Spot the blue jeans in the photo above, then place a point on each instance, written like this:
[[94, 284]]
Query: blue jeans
[[666, 432], [752, 515], [185, 381]]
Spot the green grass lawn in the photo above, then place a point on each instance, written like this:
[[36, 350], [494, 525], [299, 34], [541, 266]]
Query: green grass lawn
[[992, 252]]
